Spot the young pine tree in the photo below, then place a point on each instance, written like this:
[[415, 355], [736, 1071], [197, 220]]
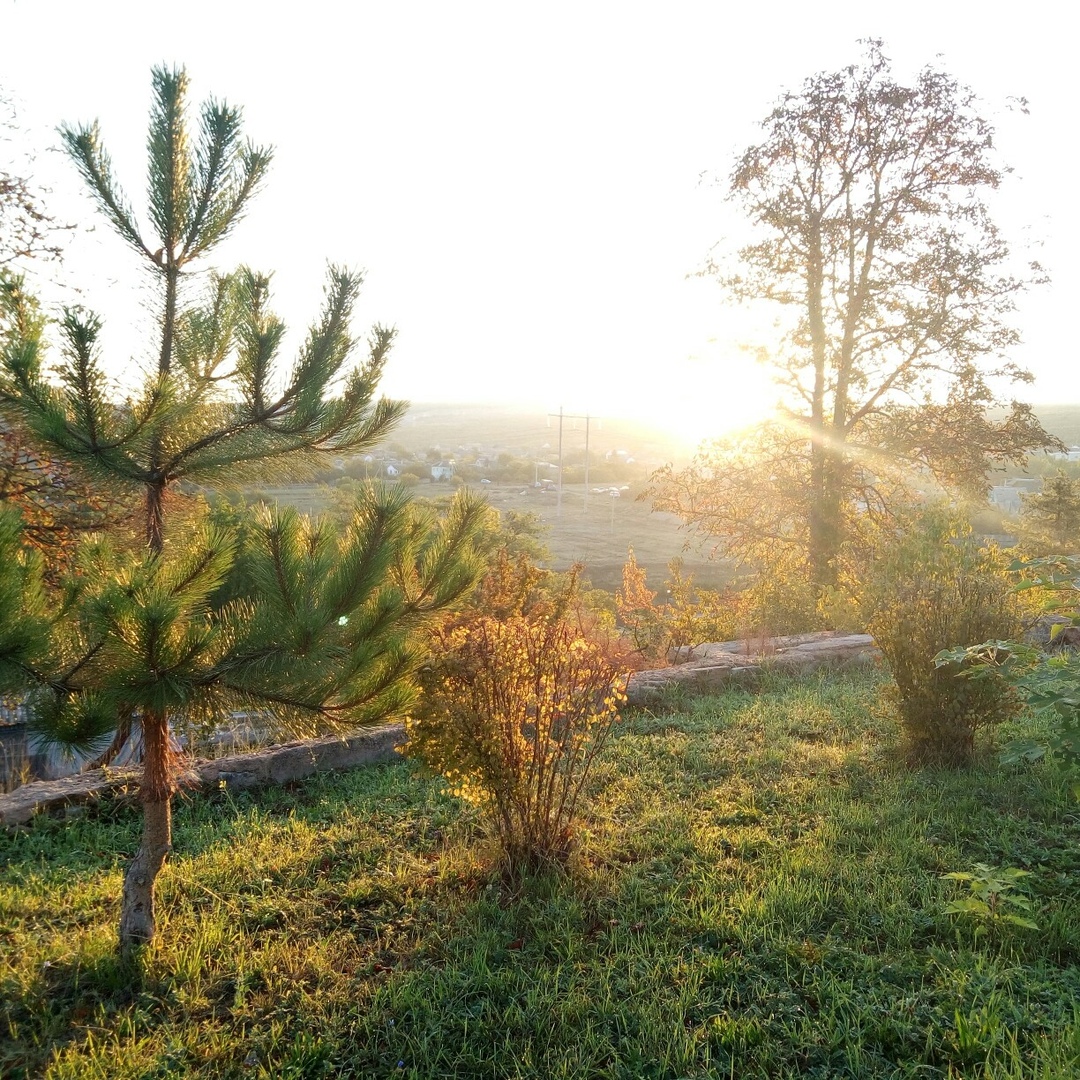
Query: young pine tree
[[323, 639], [1050, 519]]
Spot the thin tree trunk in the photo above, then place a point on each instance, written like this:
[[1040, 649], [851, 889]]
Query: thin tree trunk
[[826, 531], [137, 898], [168, 322], [156, 788], [108, 756], [155, 518]]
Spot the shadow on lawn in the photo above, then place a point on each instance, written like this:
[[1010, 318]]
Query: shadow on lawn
[[63, 1001]]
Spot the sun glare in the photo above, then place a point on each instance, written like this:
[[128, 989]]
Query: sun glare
[[717, 391]]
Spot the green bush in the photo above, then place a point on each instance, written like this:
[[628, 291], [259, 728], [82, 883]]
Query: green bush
[[927, 588], [1047, 679], [781, 599]]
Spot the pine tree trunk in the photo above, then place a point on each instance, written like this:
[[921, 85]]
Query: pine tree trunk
[[137, 898], [156, 787]]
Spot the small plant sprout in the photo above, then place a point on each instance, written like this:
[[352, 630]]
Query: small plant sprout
[[992, 898]]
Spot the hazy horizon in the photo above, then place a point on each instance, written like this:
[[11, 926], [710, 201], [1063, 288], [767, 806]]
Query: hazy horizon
[[530, 190]]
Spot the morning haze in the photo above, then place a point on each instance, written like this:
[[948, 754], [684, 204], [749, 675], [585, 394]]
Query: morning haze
[[737, 666]]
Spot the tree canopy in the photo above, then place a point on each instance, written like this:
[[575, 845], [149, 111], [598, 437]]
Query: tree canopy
[[27, 230], [1050, 519], [876, 247], [51, 497]]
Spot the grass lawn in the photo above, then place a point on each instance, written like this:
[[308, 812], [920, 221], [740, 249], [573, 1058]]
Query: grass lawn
[[757, 894]]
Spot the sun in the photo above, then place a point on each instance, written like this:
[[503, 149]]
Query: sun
[[711, 393]]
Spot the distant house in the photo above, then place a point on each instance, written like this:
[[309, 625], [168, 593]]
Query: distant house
[[1005, 498], [392, 470], [1008, 497], [443, 471]]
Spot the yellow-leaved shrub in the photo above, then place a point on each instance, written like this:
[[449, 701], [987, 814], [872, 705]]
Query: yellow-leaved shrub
[[513, 713]]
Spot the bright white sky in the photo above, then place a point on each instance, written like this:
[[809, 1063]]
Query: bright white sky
[[521, 181]]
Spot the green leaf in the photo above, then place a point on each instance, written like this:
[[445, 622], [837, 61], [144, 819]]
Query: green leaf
[[1016, 920], [1027, 583], [969, 905]]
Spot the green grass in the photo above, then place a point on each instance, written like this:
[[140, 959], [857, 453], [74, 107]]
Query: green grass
[[757, 894]]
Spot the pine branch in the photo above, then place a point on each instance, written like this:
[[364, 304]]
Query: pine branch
[[84, 146], [170, 176]]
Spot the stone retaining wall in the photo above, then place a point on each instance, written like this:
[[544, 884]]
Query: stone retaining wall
[[275, 765], [712, 667], [706, 669]]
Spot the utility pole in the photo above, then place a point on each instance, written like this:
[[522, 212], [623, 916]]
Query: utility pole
[[573, 416], [585, 507], [558, 504]]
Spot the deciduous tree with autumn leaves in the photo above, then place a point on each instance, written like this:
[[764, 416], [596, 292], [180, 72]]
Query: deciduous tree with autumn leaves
[[876, 249]]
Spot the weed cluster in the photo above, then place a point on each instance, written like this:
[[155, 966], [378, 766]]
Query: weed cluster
[[687, 617], [992, 897]]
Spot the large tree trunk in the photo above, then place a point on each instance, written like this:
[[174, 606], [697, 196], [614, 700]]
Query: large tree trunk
[[824, 513], [137, 898]]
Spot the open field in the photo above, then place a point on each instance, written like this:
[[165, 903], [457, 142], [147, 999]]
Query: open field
[[599, 533], [598, 536], [757, 894]]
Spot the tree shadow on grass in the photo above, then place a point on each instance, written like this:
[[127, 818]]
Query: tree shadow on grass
[[62, 999]]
